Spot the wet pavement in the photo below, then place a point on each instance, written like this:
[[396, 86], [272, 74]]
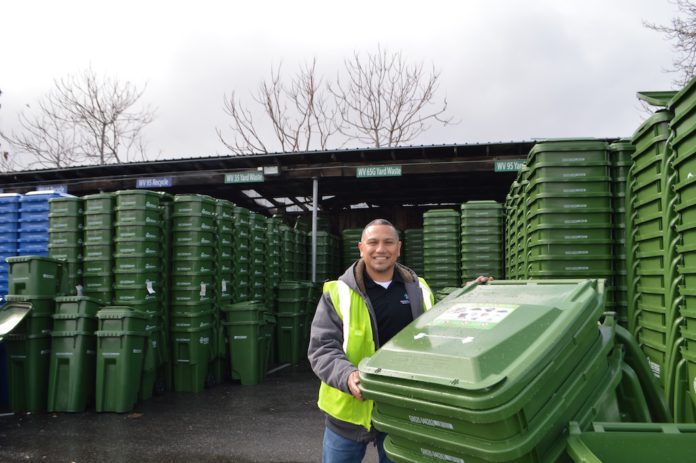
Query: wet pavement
[[276, 421]]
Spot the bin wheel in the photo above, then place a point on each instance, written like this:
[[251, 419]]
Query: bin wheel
[[210, 380], [160, 386]]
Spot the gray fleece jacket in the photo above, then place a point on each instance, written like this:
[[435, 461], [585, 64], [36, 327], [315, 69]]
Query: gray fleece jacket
[[326, 355]]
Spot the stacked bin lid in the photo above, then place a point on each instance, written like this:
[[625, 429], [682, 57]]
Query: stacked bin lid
[[494, 373], [482, 239], [98, 251], [65, 240], [350, 237], [9, 234], [241, 259], [257, 257], [568, 210], [651, 225], [683, 144], [441, 248], [194, 288], [33, 222], [620, 162], [412, 250]]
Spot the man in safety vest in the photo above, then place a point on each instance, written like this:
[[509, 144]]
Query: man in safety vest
[[371, 302]]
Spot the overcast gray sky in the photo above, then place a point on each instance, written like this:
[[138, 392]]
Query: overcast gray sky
[[511, 70]]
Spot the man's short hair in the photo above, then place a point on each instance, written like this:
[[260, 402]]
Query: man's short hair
[[380, 222]]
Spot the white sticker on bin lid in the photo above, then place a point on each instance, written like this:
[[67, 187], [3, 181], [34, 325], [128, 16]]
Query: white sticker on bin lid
[[482, 316], [148, 285], [203, 287], [430, 422], [441, 456], [224, 286], [655, 367]]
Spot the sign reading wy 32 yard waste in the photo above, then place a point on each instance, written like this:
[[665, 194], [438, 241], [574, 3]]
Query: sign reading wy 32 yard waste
[[378, 171], [252, 176]]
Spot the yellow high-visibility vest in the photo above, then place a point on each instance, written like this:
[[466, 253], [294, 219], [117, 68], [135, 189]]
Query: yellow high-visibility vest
[[358, 343]]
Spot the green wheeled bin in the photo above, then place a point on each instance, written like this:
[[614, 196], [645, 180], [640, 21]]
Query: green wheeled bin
[[71, 371]]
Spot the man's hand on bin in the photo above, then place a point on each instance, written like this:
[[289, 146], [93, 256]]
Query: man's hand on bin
[[354, 385], [481, 279]]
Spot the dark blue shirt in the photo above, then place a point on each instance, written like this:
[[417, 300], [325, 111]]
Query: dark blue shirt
[[392, 306]]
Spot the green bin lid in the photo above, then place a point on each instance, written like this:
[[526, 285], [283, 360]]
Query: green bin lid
[[194, 198], [120, 311], [20, 259], [489, 341], [657, 98], [488, 204]]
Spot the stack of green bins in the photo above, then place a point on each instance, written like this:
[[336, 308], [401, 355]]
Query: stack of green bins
[[65, 238], [287, 253], [34, 280], [139, 270], [303, 244], [470, 380], [653, 255], [164, 379], [568, 202], [522, 225], [193, 289], [326, 256], [257, 256], [244, 322], [72, 367], [291, 316], [683, 136], [620, 162], [241, 258], [512, 252], [350, 237], [98, 260], [273, 259], [482, 219], [224, 222], [441, 248], [121, 351], [413, 249]]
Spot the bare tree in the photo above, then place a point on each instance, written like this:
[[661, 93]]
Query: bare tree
[[7, 162], [682, 33], [385, 101], [84, 118], [380, 101], [45, 135], [298, 114]]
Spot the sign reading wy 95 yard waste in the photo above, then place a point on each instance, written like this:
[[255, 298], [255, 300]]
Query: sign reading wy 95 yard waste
[[377, 171], [508, 165]]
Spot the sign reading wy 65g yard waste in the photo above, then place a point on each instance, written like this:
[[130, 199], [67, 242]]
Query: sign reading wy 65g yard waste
[[377, 171], [251, 176]]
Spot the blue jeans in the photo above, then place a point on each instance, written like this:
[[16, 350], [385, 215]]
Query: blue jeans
[[338, 449]]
